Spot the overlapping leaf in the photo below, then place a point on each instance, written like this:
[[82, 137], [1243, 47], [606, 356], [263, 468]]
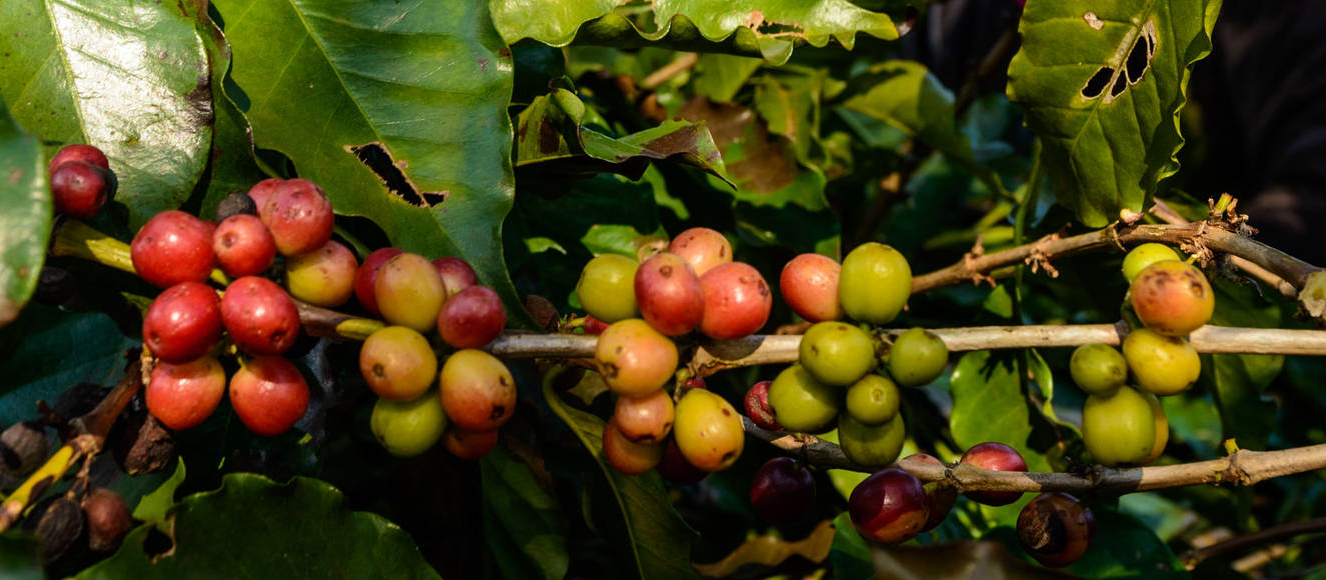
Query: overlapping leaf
[[1103, 85], [768, 28], [255, 528], [397, 109], [129, 77], [25, 216], [525, 526]]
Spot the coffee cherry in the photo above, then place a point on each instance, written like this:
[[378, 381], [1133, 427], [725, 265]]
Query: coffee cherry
[[183, 323], [78, 153], [873, 400], [368, 273], [173, 247], [182, 396], [456, 274], [737, 301], [471, 318], [594, 325], [471, 445], [646, 419], [59, 527], [23, 448], [325, 276], [890, 506], [809, 284], [1164, 365], [409, 292], [299, 215], [1118, 428], [757, 406], [871, 445], [702, 248], [994, 457], [263, 190], [800, 402], [708, 430], [1098, 369], [243, 246], [408, 428], [917, 357], [1144, 255], [108, 519], [80, 189], [836, 353], [676, 469], [397, 363], [237, 203], [940, 497], [478, 391], [635, 359], [259, 316], [627, 456], [269, 395], [607, 288], [1172, 298], [1055, 529], [668, 294], [783, 491], [874, 283]]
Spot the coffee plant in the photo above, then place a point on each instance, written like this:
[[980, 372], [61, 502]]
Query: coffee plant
[[673, 289]]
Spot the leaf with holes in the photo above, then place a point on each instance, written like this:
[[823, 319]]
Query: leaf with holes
[[25, 216], [763, 28], [552, 130], [254, 527], [397, 109], [128, 77], [1103, 86]]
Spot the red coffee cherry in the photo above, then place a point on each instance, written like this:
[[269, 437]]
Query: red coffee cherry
[[669, 295], [80, 189], [263, 190], [299, 215], [73, 153], [994, 457], [737, 301], [456, 274], [182, 396], [269, 395], [243, 246], [702, 248], [183, 323], [758, 409], [471, 318], [259, 316], [809, 284], [890, 506], [782, 491], [173, 247]]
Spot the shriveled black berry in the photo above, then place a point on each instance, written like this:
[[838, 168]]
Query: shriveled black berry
[[238, 202], [23, 448]]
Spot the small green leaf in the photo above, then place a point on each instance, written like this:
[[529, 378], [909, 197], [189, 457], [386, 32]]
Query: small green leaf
[[525, 525], [398, 111], [126, 76], [1103, 85], [653, 537], [25, 216], [256, 528], [616, 239], [760, 28], [152, 508]]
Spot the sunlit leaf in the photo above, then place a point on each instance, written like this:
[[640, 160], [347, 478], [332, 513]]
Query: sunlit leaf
[[25, 216]]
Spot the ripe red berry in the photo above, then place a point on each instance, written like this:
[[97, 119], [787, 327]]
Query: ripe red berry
[[259, 316], [669, 295], [263, 190], [173, 247], [471, 445], [994, 457], [456, 274], [758, 409], [299, 215], [367, 273], [809, 284], [182, 396], [471, 318], [183, 323], [782, 491], [702, 248], [243, 246], [890, 506], [84, 153], [80, 189], [269, 395], [737, 301]]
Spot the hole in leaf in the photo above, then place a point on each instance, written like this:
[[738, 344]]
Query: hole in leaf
[[379, 161], [1139, 58], [1120, 84], [1096, 85]]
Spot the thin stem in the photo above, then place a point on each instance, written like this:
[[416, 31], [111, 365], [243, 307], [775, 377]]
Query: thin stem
[[1195, 557]]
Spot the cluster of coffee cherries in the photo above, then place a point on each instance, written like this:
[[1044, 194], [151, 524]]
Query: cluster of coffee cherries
[[635, 308], [81, 181], [1125, 423]]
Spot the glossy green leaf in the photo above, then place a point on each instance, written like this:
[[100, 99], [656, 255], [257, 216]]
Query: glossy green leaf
[[25, 216], [653, 538], [154, 506], [128, 77], [552, 129], [38, 362], [256, 528], [525, 525], [768, 29], [1237, 381], [1103, 86], [398, 110], [720, 76]]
